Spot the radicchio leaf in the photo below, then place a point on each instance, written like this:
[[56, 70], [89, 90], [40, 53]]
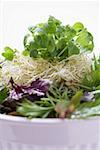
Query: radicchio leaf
[[34, 91]]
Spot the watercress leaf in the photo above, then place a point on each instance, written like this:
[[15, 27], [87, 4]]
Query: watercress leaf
[[56, 38], [78, 26], [32, 45], [41, 40], [8, 53], [49, 27], [25, 41], [34, 53], [53, 19], [60, 31], [61, 43], [25, 52], [70, 32], [73, 48], [43, 53], [51, 44], [85, 39], [31, 29]]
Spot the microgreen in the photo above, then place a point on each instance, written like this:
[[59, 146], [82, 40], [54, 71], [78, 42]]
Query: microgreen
[[52, 40], [8, 53]]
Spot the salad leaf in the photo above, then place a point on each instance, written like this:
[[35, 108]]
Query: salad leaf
[[31, 110], [3, 94], [73, 49], [65, 107], [8, 53], [37, 89], [52, 40], [85, 39], [75, 100], [92, 80], [89, 109], [78, 26], [70, 33]]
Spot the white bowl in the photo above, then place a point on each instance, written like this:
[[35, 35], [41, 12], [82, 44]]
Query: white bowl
[[17, 133]]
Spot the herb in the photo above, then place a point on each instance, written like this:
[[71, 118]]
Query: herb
[[55, 103], [88, 109], [78, 27], [75, 100], [74, 103], [31, 110], [92, 80], [52, 40], [8, 53], [3, 94]]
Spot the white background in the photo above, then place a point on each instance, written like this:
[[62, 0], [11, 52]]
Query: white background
[[17, 16]]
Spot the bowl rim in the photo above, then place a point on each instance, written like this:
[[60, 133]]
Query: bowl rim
[[19, 119]]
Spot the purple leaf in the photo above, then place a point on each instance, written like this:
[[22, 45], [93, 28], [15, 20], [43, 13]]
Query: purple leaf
[[36, 89], [41, 85], [87, 97]]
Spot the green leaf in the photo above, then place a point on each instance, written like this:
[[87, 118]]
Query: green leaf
[[3, 94], [41, 41], [51, 44], [8, 53], [25, 52], [49, 27], [31, 110], [73, 49], [59, 41], [32, 45], [53, 19], [89, 104], [86, 112], [75, 100], [61, 44], [78, 26], [98, 87], [25, 41], [96, 63], [92, 79], [70, 32], [85, 39], [34, 53], [60, 32], [43, 53]]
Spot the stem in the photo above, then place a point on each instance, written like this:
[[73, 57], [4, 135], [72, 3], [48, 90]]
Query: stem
[[62, 52], [83, 86]]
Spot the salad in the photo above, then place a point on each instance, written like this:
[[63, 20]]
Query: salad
[[54, 76]]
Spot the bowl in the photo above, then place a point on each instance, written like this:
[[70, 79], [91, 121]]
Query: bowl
[[18, 133]]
